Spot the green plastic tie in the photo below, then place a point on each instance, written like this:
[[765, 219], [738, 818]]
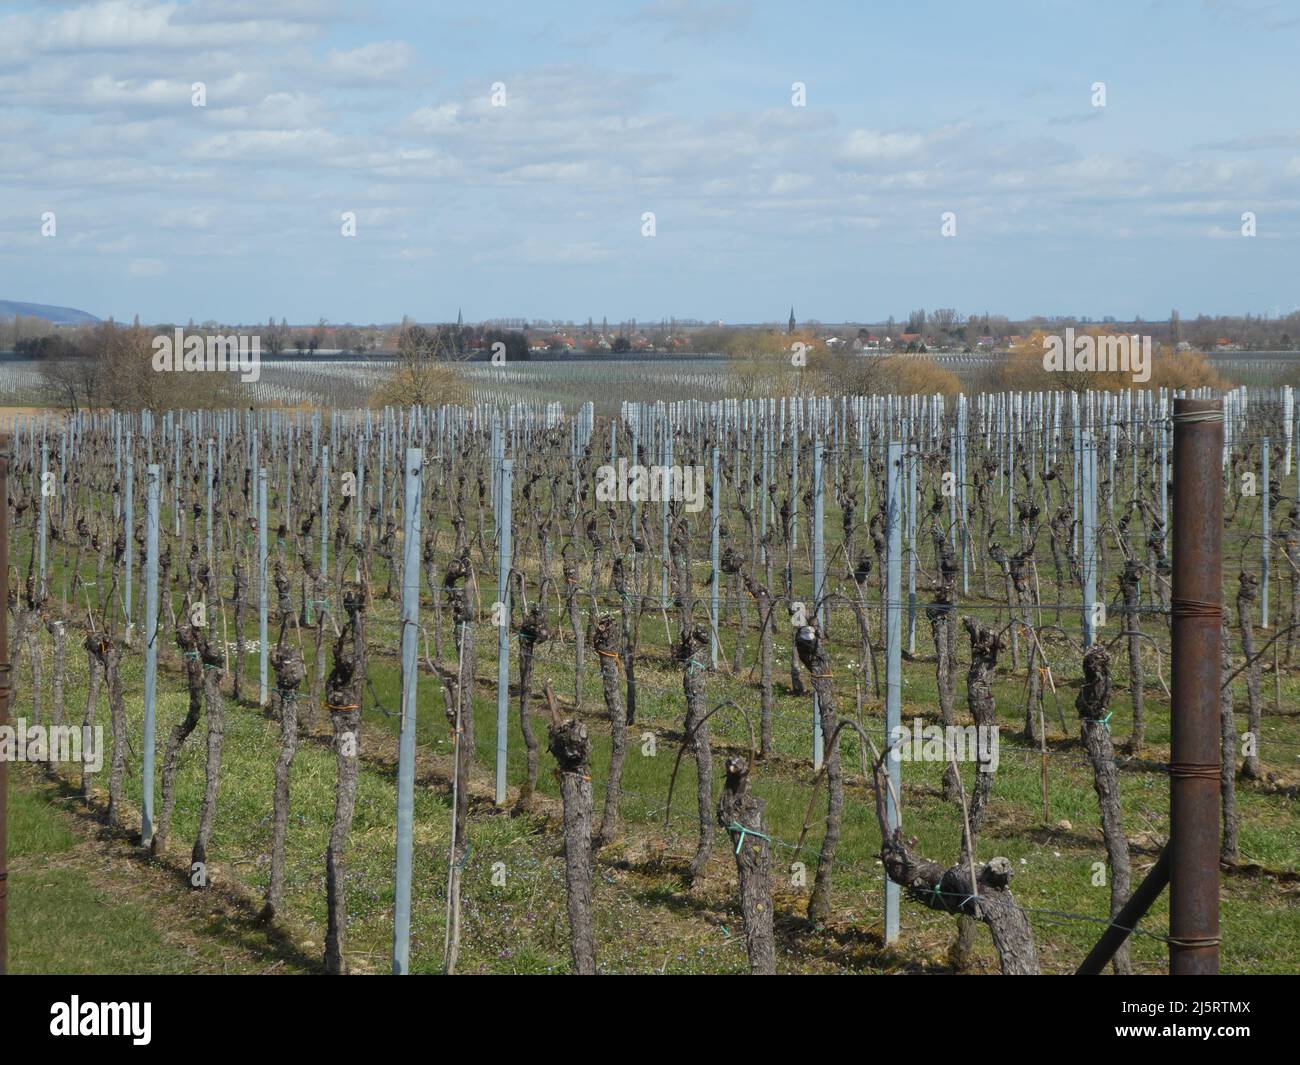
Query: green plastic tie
[[736, 826]]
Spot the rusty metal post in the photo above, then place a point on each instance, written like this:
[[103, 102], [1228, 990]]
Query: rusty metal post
[[4, 697], [1195, 744]]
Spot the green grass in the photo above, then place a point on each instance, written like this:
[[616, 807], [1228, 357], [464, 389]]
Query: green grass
[[63, 925], [63, 920], [35, 830]]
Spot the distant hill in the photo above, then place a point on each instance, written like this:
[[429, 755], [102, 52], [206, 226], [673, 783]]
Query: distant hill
[[57, 315]]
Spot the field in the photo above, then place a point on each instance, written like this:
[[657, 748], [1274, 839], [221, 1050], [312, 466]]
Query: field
[[1018, 512], [342, 382]]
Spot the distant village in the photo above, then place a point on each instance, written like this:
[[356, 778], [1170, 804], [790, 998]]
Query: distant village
[[939, 332], [33, 335]]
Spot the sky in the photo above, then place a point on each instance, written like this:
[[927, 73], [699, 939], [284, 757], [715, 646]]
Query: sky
[[501, 159]]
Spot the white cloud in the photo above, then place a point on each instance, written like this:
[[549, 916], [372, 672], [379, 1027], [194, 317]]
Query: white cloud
[[866, 144], [437, 119], [696, 18], [289, 147], [190, 217], [783, 183], [137, 25], [277, 110], [376, 63]]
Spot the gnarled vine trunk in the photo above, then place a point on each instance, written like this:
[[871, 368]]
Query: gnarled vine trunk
[[572, 750], [688, 652], [741, 814], [343, 701], [289, 674], [811, 647], [605, 639], [1092, 703]]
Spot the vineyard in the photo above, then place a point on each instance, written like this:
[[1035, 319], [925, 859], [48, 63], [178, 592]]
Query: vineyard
[[661, 687]]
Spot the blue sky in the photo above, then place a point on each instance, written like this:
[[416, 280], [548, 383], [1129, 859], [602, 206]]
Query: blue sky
[[233, 211]]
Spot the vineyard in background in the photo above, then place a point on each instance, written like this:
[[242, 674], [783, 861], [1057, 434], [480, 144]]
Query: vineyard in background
[[343, 383]]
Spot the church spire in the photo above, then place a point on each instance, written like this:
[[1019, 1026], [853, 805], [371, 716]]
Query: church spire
[[791, 319]]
